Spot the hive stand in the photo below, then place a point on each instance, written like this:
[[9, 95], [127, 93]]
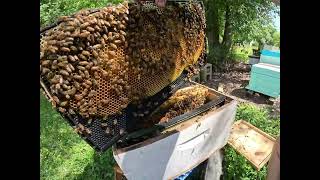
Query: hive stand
[[206, 73]]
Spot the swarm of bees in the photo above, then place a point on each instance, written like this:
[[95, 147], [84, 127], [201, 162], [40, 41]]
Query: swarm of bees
[[96, 62]]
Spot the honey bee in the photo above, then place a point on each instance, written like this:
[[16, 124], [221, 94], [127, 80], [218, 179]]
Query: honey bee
[[86, 53], [90, 29], [63, 104], [65, 49], [73, 48], [71, 111], [45, 62], [97, 28], [69, 28], [126, 18], [83, 63], [113, 46], [56, 99], [78, 77], [52, 42], [66, 87], [86, 85], [71, 67], [64, 72], [63, 18], [63, 110], [102, 41], [107, 23], [97, 46], [41, 55], [45, 71], [95, 54], [123, 106], [108, 130], [104, 124], [52, 49], [81, 56], [96, 75], [123, 33], [105, 29], [86, 74], [88, 67], [84, 25], [88, 131], [112, 53], [89, 83], [121, 131], [84, 34], [95, 68], [72, 91]]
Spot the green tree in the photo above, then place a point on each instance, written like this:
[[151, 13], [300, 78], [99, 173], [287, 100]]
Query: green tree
[[234, 21], [276, 38]]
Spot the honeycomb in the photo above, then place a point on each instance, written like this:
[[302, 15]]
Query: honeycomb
[[181, 102], [96, 63]]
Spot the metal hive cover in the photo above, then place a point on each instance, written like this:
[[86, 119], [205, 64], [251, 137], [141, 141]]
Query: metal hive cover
[[97, 65]]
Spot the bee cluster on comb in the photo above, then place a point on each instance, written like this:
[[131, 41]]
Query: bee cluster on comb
[[95, 63], [184, 101], [83, 56], [181, 102]]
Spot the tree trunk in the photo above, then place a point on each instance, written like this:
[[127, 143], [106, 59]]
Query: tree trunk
[[213, 22], [227, 36]]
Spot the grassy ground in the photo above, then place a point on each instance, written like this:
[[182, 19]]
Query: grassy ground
[[63, 155], [50, 10], [236, 166]]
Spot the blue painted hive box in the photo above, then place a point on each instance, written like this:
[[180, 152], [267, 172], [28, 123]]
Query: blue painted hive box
[[265, 79], [270, 57]]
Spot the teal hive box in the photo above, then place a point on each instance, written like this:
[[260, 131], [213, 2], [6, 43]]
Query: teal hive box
[[270, 57], [265, 79]]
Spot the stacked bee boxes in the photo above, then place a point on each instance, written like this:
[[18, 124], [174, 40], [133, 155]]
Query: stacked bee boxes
[[206, 73]]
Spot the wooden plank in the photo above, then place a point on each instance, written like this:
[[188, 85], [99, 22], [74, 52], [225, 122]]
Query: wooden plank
[[249, 141], [118, 174]]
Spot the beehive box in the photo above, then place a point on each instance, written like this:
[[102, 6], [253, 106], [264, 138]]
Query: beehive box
[[265, 79], [164, 156], [270, 57]]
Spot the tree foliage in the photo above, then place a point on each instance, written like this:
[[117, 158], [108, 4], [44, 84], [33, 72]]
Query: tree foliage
[[235, 21]]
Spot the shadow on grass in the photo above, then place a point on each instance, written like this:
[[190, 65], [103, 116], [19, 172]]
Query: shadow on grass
[[100, 168], [256, 98]]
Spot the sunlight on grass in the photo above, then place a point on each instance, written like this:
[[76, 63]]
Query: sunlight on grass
[[64, 155]]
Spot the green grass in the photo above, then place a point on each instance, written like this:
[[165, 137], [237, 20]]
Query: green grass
[[64, 155], [50, 10], [237, 167]]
